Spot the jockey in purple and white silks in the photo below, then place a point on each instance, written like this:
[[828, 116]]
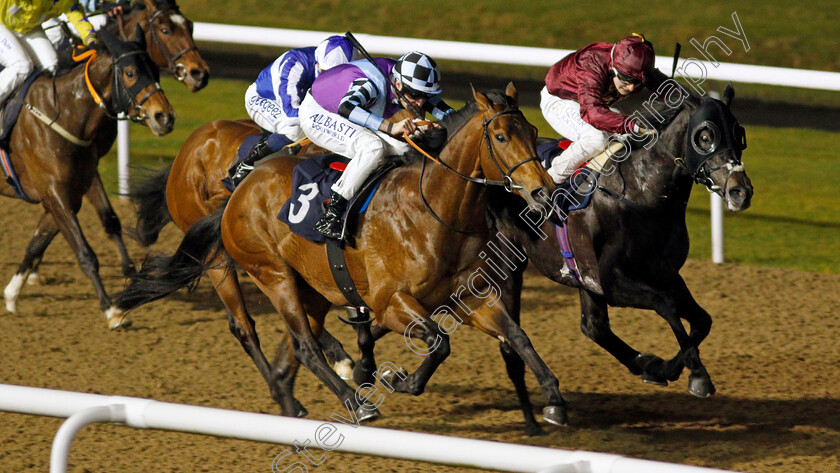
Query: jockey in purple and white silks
[[347, 111], [272, 101]]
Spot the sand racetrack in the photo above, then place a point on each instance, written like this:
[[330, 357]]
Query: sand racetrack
[[773, 354]]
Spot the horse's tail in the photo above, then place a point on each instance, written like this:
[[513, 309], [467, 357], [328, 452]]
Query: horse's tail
[[162, 275], [152, 212]]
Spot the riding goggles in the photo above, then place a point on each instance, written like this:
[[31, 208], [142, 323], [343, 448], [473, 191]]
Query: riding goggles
[[625, 79]]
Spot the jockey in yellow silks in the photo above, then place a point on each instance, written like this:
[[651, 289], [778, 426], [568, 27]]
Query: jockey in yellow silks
[[23, 43]]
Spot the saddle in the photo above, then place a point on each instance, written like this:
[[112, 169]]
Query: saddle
[[312, 180]]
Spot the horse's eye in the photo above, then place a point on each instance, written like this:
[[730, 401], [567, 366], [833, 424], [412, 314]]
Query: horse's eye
[[500, 138], [164, 30], [130, 73]]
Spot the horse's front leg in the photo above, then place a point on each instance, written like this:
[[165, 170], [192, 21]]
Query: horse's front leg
[[65, 218], [595, 324], [495, 321], [110, 222], [514, 364], [27, 271], [681, 305], [672, 304], [406, 315]]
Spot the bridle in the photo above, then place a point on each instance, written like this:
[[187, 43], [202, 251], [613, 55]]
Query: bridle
[[507, 181], [696, 160], [179, 71], [124, 98]]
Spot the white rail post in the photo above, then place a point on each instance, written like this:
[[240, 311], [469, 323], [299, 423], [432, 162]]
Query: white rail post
[[122, 155], [716, 215]]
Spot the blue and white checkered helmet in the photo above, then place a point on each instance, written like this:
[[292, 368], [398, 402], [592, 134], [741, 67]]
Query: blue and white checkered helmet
[[334, 51], [418, 72]]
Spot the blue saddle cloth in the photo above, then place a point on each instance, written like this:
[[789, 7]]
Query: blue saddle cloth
[[311, 183]]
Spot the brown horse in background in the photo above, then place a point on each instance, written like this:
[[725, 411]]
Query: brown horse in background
[[171, 47], [406, 261], [57, 172]]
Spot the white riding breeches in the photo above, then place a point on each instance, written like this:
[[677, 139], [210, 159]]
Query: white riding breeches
[[19, 53], [366, 148], [269, 115], [587, 141]]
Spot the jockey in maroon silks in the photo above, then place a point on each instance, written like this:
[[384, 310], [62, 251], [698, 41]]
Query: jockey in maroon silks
[[582, 86]]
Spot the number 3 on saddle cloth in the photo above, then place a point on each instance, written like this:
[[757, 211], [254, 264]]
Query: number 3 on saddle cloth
[[311, 183], [573, 194]]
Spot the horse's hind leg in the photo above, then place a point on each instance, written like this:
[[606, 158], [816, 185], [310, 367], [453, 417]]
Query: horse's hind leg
[[226, 283], [285, 365], [44, 234], [113, 228], [68, 225], [278, 283]]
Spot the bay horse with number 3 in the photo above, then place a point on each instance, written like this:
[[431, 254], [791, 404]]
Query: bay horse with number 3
[[57, 172], [411, 252]]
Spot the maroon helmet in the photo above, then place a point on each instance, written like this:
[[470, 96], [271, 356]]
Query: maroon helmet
[[633, 58]]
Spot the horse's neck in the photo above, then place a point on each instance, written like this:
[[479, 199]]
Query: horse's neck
[[652, 177], [101, 78], [461, 202]]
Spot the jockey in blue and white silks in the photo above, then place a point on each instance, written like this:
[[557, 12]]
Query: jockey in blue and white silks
[[347, 112], [272, 101]]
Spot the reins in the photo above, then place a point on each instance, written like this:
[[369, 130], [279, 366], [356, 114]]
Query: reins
[[119, 86], [507, 182]]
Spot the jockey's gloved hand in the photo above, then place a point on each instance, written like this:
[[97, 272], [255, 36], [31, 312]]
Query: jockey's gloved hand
[[112, 8]]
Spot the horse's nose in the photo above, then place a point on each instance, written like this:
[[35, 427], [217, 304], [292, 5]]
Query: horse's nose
[[165, 120], [738, 198], [200, 77]]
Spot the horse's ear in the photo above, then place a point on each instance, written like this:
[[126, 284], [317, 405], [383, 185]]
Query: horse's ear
[[139, 37], [728, 94], [481, 100], [109, 40], [511, 92]]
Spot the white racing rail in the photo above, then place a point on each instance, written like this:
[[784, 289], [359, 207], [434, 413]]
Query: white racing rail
[[82, 409]]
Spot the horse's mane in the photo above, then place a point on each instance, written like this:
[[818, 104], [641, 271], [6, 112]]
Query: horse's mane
[[434, 140]]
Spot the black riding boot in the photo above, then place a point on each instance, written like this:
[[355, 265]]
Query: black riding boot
[[238, 171], [330, 223]]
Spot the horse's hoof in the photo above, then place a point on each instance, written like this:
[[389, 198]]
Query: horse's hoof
[[532, 430], [32, 279], [129, 271], [644, 360], [391, 379], [362, 375], [344, 369], [300, 410], [655, 380], [117, 319], [701, 386], [556, 415], [364, 414]]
